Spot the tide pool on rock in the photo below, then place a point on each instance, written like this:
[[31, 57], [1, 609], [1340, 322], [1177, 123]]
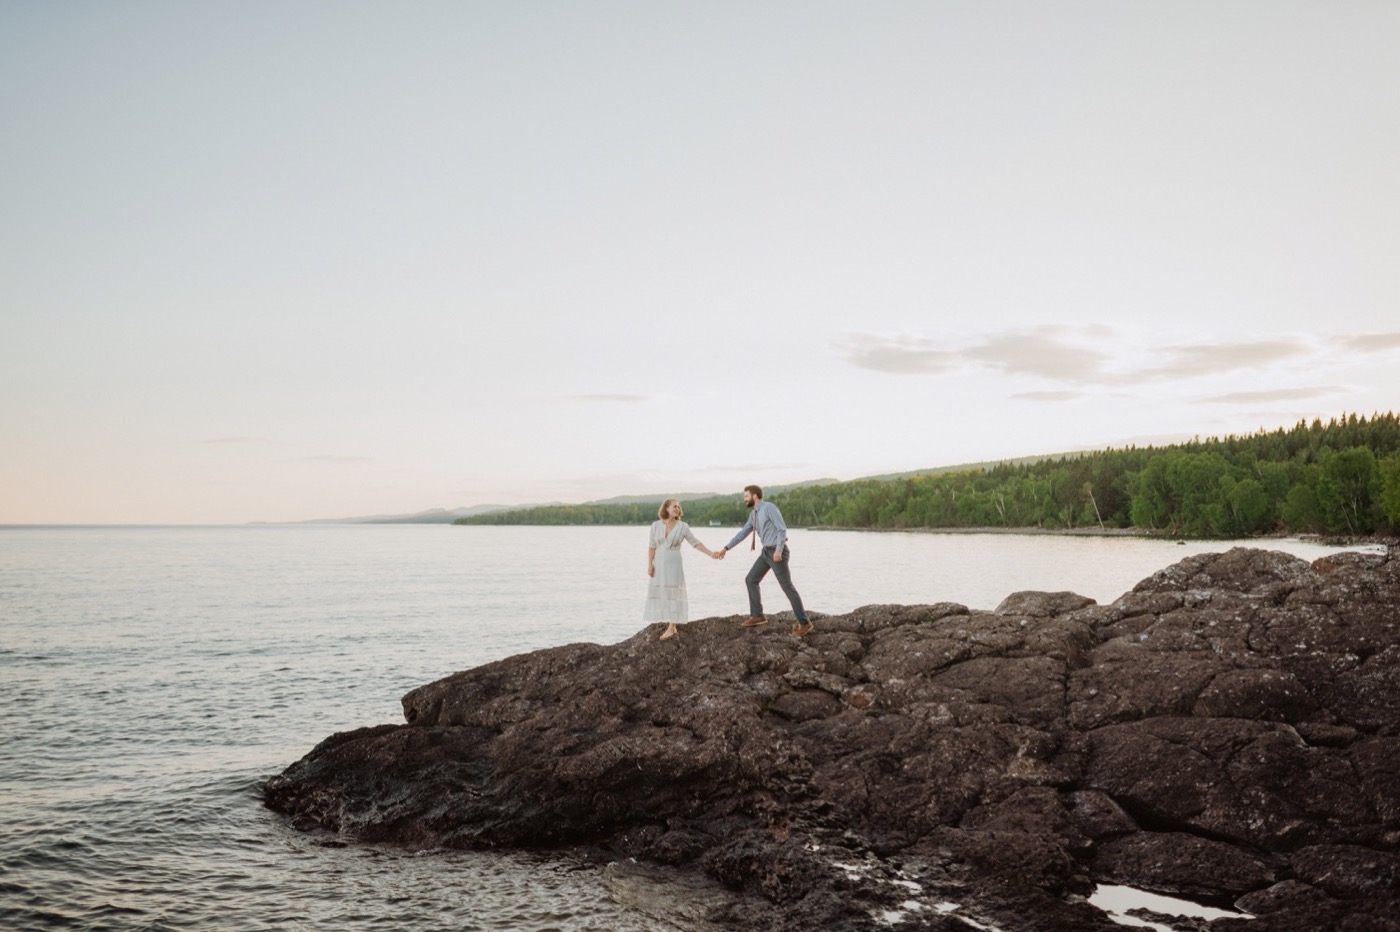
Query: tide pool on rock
[[1121, 902]]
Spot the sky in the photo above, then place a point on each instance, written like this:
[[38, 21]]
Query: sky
[[279, 261]]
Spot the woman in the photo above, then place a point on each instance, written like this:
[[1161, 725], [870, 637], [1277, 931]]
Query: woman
[[666, 599]]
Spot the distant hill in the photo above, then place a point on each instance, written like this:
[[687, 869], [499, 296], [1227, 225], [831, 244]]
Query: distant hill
[[659, 497], [449, 515], [431, 516], [966, 467], [1342, 477]]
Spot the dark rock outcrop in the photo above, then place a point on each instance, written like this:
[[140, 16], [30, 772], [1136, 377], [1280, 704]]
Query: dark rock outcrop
[[1228, 731]]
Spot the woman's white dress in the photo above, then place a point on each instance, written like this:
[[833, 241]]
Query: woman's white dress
[[666, 599]]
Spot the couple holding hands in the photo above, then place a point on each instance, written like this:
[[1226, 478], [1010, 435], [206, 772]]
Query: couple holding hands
[[666, 598]]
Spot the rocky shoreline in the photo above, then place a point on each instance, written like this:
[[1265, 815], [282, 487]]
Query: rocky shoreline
[[1015, 531], [1228, 731], [1261, 540]]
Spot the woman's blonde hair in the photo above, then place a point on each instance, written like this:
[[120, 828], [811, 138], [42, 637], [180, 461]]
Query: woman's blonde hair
[[661, 512]]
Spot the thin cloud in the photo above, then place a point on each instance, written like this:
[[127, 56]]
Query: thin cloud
[[1047, 396], [613, 399], [900, 355], [332, 458], [1077, 355], [755, 467], [1186, 362], [1043, 352], [1372, 342], [236, 440], [1274, 395], [1072, 356]]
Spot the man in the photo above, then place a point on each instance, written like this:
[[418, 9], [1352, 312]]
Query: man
[[766, 524]]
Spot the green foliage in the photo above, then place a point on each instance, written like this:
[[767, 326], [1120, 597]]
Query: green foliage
[[1350, 483], [1389, 470], [698, 512], [1339, 477], [1301, 511]]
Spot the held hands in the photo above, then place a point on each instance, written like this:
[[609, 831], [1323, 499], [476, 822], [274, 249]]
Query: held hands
[[719, 554]]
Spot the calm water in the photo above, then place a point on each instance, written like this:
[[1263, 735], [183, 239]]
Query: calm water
[[153, 678]]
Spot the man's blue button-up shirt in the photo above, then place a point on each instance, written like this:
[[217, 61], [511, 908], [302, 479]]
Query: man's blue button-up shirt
[[771, 529]]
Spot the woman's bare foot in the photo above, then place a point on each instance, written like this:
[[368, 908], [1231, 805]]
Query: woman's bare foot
[[670, 632]]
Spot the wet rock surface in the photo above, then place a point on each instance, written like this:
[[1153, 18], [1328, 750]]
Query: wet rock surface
[[1227, 731]]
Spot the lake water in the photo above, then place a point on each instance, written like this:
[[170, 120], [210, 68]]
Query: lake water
[[153, 678]]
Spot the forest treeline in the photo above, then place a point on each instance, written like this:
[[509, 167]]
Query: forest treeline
[[1339, 477]]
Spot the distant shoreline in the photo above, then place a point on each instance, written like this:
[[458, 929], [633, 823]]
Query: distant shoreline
[[1350, 540], [1019, 531], [1333, 540]]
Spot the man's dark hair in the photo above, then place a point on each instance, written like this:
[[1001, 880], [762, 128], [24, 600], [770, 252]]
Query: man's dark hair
[[756, 490]]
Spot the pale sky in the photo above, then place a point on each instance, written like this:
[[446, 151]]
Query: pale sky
[[275, 261]]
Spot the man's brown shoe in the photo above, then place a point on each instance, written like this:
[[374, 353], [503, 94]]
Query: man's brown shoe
[[801, 630], [753, 621]]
